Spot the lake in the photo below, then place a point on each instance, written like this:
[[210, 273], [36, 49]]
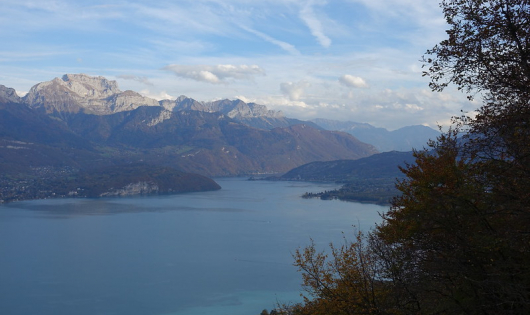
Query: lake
[[220, 252]]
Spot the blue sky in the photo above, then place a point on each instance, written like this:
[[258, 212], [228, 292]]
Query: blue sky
[[352, 60]]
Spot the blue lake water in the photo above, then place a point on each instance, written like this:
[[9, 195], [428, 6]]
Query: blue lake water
[[222, 252]]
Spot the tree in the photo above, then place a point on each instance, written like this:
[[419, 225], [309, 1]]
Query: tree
[[488, 52], [457, 239], [465, 209], [464, 246], [487, 49], [350, 279]]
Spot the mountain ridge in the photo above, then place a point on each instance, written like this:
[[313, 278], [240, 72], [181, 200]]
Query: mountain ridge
[[73, 93], [78, 124], [209, 138], [403, 139], [370, 179]]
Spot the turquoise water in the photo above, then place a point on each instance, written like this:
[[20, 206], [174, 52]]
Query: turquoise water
[[222, 252]]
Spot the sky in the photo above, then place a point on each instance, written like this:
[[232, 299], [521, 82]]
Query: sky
[[348, 60]]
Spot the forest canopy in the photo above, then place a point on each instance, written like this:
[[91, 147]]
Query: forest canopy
[[457, 239]]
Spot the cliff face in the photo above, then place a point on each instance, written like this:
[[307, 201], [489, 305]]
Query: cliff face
[[75, 93], [8, 95], [80, 93], [133, 189], [236, 109]]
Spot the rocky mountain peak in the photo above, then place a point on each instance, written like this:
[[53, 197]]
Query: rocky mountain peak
[[181, 99], [240, 110], [9, 95], [91, 87], [183, 103], [236, 109], [81, 92], [73, 93]]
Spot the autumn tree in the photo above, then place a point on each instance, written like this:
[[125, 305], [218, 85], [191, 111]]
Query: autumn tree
[[458, 236], [465, 207], [457, 239], [487, 49], [351, 278]]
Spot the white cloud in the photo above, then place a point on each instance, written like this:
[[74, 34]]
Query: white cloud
[[315, 25], [143, 80], [215, 74], [352, 81], [196, 17], [294, 90], [283, 103], [157, 96], [283, 45], [413, 107], [39, 52], [21, 93]]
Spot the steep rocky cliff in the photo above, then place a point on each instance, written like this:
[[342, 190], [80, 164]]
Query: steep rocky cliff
[[236, 109], [81, 93], [75, 93], [8, 95]]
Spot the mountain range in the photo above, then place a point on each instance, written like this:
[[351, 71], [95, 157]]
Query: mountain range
[[74, 93], [403, 139], [80, 123]]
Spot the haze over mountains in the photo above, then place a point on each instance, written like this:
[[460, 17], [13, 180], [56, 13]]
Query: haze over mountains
[[402, 139]]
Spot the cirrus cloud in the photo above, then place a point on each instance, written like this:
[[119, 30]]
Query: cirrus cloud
[[141, 79], [352, 81], [283, 45], [314, 24], [217, 74]]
